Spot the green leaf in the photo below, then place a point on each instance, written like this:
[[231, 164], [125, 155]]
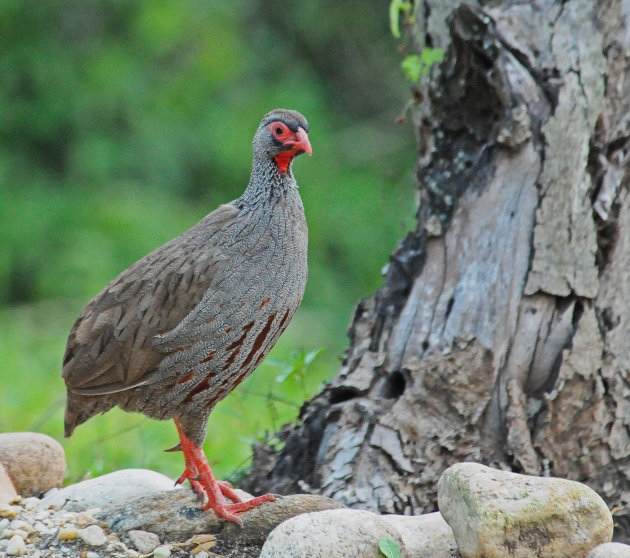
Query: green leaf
[[430, 56], [412, 67], [388, 547]]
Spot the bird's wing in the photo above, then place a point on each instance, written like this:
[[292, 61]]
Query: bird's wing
[[110, 347]]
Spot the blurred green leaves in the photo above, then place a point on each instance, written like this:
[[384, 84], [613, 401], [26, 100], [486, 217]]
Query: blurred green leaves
[[124, 123]]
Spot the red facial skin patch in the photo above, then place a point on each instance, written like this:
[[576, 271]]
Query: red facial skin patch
[[298, 141]]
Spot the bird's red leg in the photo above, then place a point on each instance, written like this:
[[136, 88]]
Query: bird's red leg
[[202, 480]]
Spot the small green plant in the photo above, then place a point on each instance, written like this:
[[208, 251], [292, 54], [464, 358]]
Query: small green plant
[[388, 547], [415, 66]]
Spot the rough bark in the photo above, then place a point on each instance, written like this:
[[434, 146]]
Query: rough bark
[[502, 332]]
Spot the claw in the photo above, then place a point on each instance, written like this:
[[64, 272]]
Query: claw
[[177, 447]]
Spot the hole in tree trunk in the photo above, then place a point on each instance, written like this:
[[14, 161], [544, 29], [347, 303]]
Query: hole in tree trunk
[[394, 385]]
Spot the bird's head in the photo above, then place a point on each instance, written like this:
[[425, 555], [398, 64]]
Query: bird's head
[[282, 135]]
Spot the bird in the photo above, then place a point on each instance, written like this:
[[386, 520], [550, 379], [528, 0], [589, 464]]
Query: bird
[[177, 331]]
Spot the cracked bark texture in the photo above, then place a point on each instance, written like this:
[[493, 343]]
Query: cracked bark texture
[[502, 332]]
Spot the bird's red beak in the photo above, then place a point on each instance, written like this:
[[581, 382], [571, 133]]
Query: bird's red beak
[[301, 143]]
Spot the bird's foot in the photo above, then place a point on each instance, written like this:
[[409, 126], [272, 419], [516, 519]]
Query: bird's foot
[[211, 491], [228, 511]]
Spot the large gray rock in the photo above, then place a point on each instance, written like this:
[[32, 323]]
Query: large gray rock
[[610, 550], [496, 514], [176, 516], [331, 534], [116, 487], [425, 536], [35, 462]]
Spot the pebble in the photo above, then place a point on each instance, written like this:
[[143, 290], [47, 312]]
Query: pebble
[[163, 551], [144, 541], [68, 534], [93, 535], [16, 546]]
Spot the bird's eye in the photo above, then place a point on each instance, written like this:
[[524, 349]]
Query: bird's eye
[[278, 130]]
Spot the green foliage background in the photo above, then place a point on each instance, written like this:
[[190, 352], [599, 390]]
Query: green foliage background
[[122, 123]]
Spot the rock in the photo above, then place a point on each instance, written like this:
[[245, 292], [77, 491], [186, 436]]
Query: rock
[[116, 487], [16, 546], [163, 551], [144, 541], [496, 513], [425, 536], [610, 550], [68, 534], [23, 453], [176, 515], [93, 535], [7, 490], [331, 534]]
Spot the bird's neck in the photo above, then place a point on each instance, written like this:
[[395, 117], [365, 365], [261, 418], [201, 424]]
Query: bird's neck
[[266, 181]]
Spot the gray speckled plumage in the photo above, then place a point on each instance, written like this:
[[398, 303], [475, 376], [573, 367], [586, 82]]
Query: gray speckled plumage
[[175, 333]]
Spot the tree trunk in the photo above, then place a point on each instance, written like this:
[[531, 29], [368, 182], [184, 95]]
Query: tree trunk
[[502, 332]]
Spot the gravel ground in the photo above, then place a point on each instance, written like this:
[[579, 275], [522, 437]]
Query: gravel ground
[[28, 530]]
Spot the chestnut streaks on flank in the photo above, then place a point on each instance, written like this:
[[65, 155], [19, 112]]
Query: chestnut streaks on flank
[[186, 378], [284, 319], [230, 360], [239, 341], [240, 378], [264, 302], [235, 347], [203, 385], [228, 330], [259, 340], [209, 357], [181, 348]]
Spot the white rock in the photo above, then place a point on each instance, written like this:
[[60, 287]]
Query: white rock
[[31, 503], [91, 554], [93, 535], [610, 550], [163, 551], [20, 533], [16, 546], [7, 490], [337, 533], [23, 453], [20, 524], [114, 487], [144, 541], [424, 536], [496, 513]]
